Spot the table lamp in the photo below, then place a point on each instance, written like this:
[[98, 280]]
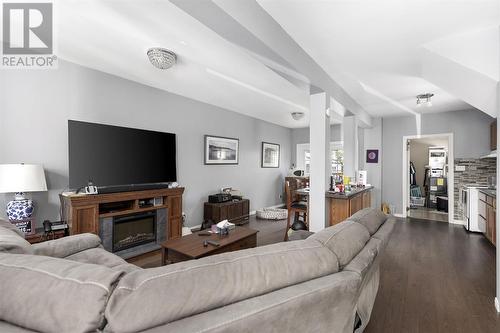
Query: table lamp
[[19, 179]]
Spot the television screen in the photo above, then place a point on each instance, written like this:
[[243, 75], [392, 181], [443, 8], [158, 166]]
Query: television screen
[[111, 155]]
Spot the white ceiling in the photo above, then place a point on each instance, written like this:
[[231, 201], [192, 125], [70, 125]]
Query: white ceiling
[[113, 37], [371, 48], [378, 44]]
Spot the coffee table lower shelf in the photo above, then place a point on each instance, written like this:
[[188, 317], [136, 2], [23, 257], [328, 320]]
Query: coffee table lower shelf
[[191, 246]]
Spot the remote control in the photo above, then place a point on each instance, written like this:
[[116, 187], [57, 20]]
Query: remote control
[[214, 243], [204, 233]]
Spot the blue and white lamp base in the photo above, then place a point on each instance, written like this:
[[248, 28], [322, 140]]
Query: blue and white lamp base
[[20, 208]]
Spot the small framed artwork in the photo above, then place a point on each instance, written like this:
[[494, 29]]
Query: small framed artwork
[[372, 156], [270, 155], [220, 150], [26, 226]]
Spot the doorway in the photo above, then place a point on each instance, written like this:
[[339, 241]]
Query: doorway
[[428, 177]]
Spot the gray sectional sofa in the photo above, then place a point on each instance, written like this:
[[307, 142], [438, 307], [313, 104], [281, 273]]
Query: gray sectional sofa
[[325, 283]]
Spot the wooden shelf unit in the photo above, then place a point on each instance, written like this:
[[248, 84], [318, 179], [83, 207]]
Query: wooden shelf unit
[[83, 212]]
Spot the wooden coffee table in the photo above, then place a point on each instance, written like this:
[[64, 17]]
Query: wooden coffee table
[[191, 246]]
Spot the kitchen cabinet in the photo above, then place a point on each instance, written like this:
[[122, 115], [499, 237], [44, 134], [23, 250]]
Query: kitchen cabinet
[[343, 205], [487, 216], [493, 135]]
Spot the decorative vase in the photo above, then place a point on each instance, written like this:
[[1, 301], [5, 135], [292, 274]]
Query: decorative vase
[[20, 209]]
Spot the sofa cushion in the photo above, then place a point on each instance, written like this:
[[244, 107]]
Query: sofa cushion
[[99, 256], [362, 262], [385, 231], [10, 226], [66, 246], [12, 239], [371, 218], [54, 295], [153, 297], [345, 239]]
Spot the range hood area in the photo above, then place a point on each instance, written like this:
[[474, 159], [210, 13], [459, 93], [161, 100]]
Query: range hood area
[[492, 154]]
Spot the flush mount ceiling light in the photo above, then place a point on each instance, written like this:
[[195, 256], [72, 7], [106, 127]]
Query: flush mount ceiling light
[[424, 99], [161, 58], [297, 115]]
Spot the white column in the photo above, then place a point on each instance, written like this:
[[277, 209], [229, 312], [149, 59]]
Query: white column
[[319, 133], [350, 132]]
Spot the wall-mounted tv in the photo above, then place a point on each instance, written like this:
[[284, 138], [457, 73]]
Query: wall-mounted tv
[[119, 158]]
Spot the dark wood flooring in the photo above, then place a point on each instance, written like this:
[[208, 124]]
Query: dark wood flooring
[[436, 277]]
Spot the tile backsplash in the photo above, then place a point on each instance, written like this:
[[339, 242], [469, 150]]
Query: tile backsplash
[[476, 173]]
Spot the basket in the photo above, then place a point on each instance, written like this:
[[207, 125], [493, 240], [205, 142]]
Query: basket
[[417, 202], [272, 214]]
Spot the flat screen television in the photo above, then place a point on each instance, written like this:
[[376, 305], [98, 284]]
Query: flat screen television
[[117, 158]]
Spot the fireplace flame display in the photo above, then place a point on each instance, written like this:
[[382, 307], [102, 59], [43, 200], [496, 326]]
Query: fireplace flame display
[[134, 240], [133, 230]]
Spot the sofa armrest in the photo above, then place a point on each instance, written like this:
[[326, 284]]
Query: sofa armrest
[[300, 235], [66, 246]]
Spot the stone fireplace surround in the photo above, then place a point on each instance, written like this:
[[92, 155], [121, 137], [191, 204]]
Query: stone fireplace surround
[[106, 235]]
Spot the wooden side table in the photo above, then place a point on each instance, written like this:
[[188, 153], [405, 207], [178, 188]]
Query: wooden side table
[[236, 212], [39, 236]]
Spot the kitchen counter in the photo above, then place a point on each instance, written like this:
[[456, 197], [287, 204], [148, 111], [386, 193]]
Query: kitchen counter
[[342, 205], [490, 192], [347, 195]]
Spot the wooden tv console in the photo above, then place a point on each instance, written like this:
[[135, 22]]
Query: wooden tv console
[[83, 212]]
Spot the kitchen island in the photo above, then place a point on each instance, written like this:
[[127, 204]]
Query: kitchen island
[[340, 206], [343, 205]]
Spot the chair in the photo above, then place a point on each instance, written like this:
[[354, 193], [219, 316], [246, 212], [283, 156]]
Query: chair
[[295, 206]]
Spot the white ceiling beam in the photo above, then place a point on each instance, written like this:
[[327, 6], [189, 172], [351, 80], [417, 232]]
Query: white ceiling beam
[[256, 20], [466, 66]]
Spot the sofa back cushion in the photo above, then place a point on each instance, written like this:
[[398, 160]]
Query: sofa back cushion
[[54, 295], [12, 239], [153, 297], [345, 240], [371, 218]]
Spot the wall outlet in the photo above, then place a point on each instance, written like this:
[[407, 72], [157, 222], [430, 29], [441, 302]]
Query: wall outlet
[[460, 168]]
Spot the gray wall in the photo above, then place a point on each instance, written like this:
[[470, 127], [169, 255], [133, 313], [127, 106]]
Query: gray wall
[[372, 139], [301, 135], [471, 129], [35, 107]]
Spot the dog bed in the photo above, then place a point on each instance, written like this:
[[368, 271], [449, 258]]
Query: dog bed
[[272, 214]]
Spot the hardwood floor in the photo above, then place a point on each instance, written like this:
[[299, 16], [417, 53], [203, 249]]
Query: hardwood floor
[[269, 232], [436, 277], [428, 214]]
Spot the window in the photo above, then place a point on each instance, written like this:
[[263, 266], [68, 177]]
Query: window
[[303, 159], [337, 162]]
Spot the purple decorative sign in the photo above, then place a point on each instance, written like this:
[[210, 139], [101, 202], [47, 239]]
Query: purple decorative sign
[[372, 156]]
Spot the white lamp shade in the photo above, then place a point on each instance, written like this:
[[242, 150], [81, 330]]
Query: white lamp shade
[[22, 178]]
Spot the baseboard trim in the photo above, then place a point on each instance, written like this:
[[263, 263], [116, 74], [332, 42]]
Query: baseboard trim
[[497, 304], [398, 215], [457, 222]]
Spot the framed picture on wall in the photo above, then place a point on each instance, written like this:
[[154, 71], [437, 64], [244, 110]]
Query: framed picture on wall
[[372, 156], [220, 150], [270, 155]]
